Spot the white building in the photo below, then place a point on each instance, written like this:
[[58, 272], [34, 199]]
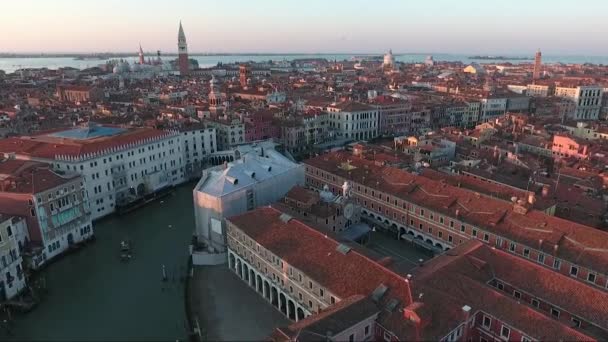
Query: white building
[[260, 177], [492, 107], [198, 144], [230, 131], [12, 279], [354, 120], [538, 90], [118, 165], [588, 101]]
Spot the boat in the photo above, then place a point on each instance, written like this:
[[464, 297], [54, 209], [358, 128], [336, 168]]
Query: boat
[[125, 250]]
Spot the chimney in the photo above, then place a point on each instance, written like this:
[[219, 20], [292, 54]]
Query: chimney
[[466, 310], [531, 198], [545, 192]]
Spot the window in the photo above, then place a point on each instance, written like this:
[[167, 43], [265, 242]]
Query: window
[[474, 233], [574, 271], [526, 252], [462, 228], [487, 322], [557, 264], [500, 286], [512, 246], [541, 258], [505, 332], [525, 339], [535, 303], [9, 231], [555, 312], [517, 294], [310, 304], [367, 330], [386, 336], [576, 322], [590, 276], [351, 338], [321, 292], [486, 237], [332, 300]]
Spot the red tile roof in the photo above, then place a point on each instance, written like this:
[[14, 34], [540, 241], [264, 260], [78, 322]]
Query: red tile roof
[[314, 254], [48, 147], [460, 278], [583, 245]]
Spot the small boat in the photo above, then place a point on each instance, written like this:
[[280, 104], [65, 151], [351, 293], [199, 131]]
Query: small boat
[[125, 250], [125, 246]]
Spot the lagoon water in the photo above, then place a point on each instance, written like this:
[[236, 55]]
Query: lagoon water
[[9, 65]]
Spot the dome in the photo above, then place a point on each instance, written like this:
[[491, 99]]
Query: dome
[[388, 58], [123, 67]]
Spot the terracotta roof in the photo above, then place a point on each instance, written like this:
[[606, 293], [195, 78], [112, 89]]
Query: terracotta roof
[[317, 256], [48, 146], [460, 278], [583, 245], [21, 176]]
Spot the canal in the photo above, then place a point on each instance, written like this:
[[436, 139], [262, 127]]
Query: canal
[[93, 296]]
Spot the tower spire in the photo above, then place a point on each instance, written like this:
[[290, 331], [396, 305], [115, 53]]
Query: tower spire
[[141, 54], [182, 48]]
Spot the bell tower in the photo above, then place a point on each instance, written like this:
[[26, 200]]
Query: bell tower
[[182, 50]]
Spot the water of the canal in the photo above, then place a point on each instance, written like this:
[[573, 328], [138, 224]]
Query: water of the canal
[[93, 296]]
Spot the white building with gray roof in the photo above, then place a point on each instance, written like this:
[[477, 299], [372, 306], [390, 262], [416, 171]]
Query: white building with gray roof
[[260, 177]]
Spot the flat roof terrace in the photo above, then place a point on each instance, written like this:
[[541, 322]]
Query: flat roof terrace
[[85, 133]]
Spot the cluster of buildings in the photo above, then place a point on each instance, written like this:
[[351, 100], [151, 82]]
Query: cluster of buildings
[[498, 170]]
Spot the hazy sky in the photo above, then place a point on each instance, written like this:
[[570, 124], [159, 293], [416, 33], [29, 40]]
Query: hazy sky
[[466, 26]]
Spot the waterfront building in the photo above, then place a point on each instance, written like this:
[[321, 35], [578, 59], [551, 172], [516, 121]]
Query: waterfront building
[[587, 100], [13, 233], [439, 216], [337, 291], [198, 145], [259, 176], [183, 62], [388, 63], [537, 65], [53, 203], [354, 120], [118, 165]]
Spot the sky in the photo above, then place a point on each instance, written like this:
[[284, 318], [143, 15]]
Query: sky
[[558, 27]]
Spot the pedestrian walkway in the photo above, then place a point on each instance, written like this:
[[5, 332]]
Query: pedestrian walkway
[[229, 310]]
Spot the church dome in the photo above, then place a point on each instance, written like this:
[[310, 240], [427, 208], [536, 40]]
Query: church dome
[[389, 59]]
